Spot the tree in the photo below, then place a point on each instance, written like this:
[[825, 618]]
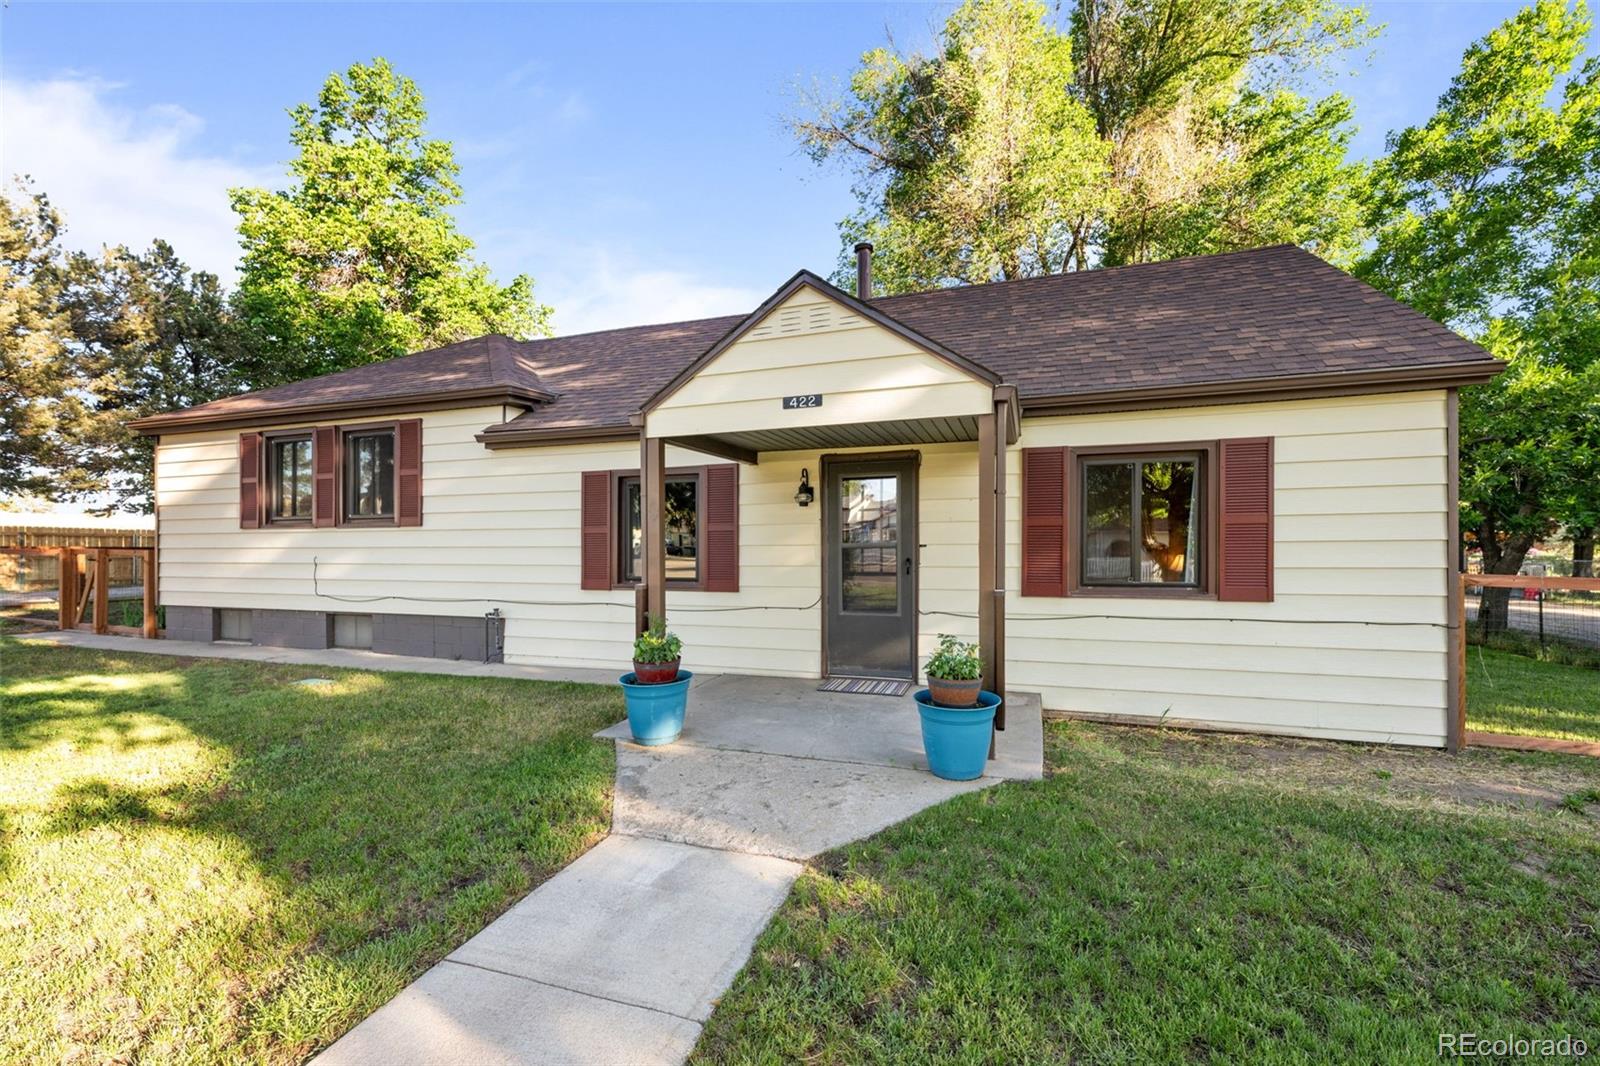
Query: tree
[[149, 335], [1486, 219], [975, 164], [40, 401], [359, 259], [1150, 129]]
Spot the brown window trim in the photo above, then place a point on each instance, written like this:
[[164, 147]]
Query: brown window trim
[[1210, 494], [619, 530], [268, 479], [342, 517]]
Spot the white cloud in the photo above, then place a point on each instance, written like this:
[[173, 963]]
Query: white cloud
[[600, 294], [121, 175]]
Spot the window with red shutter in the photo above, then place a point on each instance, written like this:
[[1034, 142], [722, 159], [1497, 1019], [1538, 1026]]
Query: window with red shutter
[[595, 530], [1244, 559], [1044, 521], [719, 536], [249, 480]]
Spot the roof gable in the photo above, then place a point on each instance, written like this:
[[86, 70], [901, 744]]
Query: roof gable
[[772, 320]]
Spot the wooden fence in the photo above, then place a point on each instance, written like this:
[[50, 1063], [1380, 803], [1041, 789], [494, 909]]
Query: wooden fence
[[85, 580]]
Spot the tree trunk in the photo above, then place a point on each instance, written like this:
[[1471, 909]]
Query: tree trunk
[[1494, 611], [1583, 553]]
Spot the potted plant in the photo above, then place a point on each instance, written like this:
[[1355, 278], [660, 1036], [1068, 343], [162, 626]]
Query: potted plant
[[656, 691], [656, 654], [954, 673], [957, 716]]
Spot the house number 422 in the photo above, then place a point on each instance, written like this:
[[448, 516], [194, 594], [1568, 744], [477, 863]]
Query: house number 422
[[794, 403]]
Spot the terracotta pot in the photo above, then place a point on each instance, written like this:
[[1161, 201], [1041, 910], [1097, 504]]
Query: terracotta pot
[[954, 693], [655, 673]]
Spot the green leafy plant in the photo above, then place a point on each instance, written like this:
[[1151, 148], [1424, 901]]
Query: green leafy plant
[[955, 660], [656, 645]]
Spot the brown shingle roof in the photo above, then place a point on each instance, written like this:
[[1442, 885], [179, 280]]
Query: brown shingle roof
[[1236, 321], [1267, 313], [493, 369]]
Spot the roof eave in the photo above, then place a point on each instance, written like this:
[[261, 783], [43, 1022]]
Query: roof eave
[[194, 422], [1257, 390], [495, 438]]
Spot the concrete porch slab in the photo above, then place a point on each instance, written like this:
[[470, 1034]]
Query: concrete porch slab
[[649, 923], [788, 716], [767, 804]]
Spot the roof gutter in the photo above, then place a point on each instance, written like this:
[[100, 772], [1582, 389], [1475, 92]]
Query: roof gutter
[[1259, 390], [194, 421], [495, 438]]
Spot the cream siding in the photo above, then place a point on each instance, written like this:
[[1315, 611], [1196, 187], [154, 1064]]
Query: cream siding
[[811, 343], [1360, 537], [500, 529]]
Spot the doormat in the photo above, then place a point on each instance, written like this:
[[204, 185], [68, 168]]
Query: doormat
[[865, 686]]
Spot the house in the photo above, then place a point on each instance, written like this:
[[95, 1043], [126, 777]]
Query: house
[[1215, 490]]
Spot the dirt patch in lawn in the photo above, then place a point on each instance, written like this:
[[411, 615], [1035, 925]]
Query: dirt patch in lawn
[[1474, 778]]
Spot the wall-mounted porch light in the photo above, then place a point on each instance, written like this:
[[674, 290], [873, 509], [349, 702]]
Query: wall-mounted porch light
[[805, 493]]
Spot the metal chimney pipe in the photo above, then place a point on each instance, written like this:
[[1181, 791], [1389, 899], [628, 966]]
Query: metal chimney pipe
[[864, 270]]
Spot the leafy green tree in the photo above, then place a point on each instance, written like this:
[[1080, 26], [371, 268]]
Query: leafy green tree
[[40, 401], [1486, 219], [1150, 129], [359, 259], [149, 335], [975, 164]]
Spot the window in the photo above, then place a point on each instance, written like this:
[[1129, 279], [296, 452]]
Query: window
[[352, 631], [233, 624], [683, 526], [289, 475], [1140, 521], [369, 474]]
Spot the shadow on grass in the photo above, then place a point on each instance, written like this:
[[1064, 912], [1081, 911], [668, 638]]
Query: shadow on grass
[[297, 852]]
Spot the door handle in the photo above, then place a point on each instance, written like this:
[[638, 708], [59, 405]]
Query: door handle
[[908, 566]]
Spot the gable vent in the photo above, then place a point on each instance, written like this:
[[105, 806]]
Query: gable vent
[[799, 319]]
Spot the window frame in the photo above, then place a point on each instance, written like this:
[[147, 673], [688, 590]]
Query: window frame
[[619, 526], [341, 488], [270, 442], [1209, 499]]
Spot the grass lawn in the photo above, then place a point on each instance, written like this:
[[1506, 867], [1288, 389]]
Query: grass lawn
[[202, 862], [1166, 896], [1511, 693]]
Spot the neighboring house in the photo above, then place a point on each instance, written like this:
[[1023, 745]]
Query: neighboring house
[[1217, 490]]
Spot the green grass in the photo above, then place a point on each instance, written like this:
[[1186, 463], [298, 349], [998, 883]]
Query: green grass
[[1175, 897], [1510, 693], [200, 862]]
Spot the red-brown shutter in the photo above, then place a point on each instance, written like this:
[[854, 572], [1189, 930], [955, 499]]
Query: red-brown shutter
[[595, 523], [324, 476], [408, 472], [1044, 521], [719, 540], [250, 494], [1244, 558]]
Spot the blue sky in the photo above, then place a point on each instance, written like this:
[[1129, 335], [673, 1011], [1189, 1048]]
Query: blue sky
[[633, 158]]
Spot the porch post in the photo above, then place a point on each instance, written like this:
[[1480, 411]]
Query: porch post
[[987, 548], [653, 503], [1002, 437]]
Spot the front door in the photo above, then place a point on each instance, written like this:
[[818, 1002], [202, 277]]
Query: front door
[[869, 567]]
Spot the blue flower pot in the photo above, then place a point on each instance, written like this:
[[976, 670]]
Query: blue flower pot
[[957, 741], [655, 712]]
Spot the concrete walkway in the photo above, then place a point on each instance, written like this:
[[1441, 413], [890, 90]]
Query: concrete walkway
[[621, 957]]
